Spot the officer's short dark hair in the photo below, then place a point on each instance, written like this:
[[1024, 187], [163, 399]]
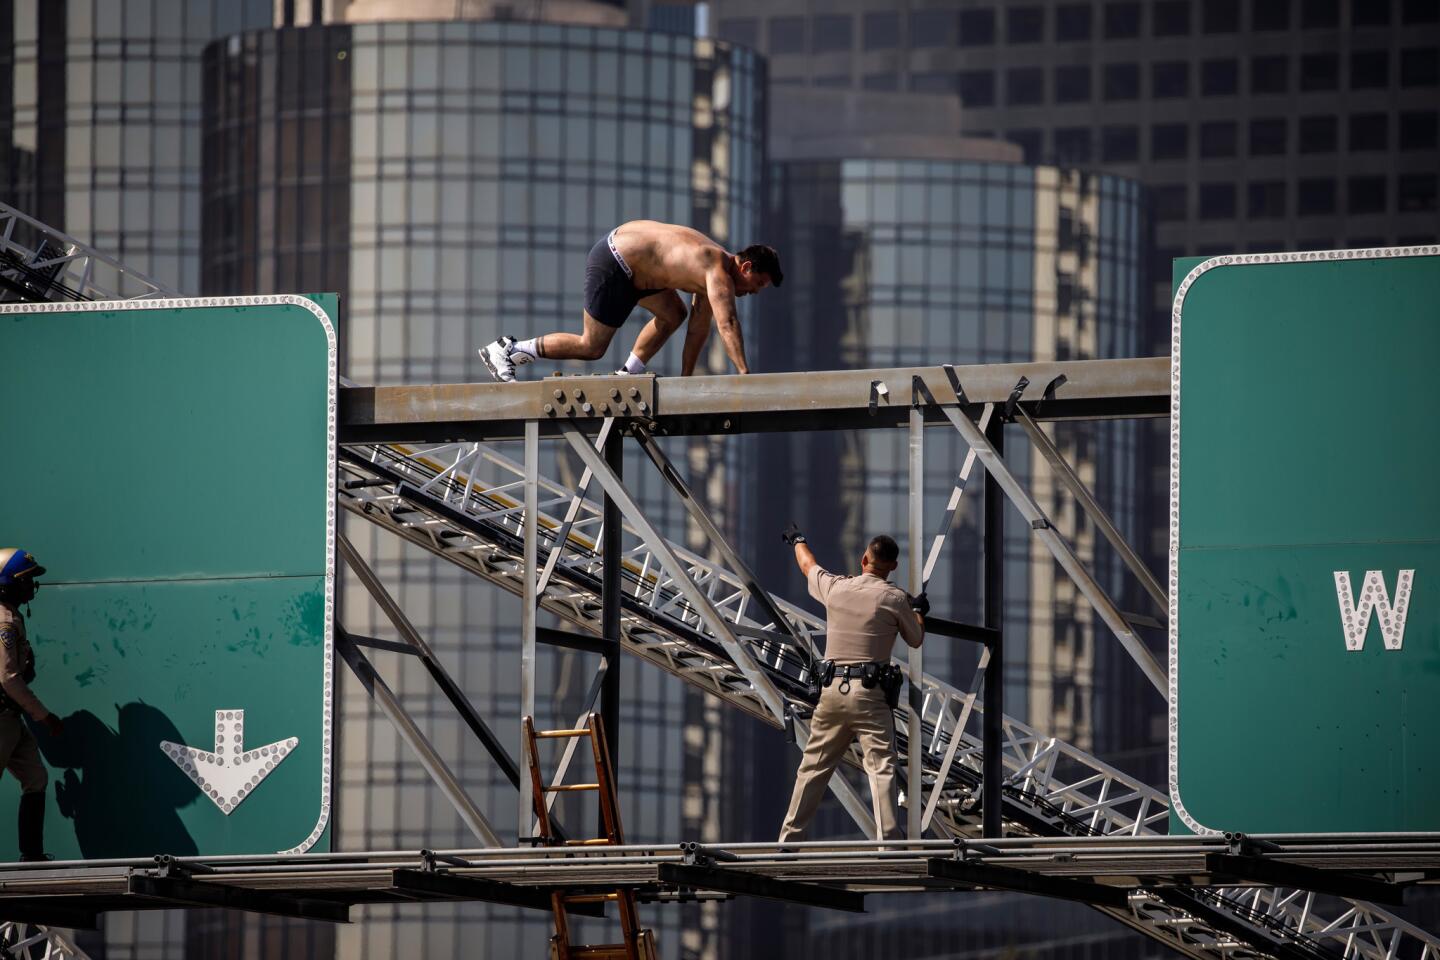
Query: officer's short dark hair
[[884, 549], [764, 260]]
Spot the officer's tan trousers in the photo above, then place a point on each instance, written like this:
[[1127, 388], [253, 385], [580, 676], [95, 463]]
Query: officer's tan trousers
[[20, 754], [840, 718]]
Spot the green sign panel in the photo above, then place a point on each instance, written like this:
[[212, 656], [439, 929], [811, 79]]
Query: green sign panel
[[172, 464], [1305, 543]]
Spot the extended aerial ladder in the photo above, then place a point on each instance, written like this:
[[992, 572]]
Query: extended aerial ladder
[[713, 626]]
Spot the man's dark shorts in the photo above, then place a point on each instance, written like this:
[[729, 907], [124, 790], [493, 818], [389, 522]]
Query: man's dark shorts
[[610, 291]]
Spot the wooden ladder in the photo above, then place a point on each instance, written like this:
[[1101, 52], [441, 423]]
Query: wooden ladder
[[639, 944]]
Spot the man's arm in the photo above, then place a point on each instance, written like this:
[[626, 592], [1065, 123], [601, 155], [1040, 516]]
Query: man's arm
[[11, 680], [720, 290], [804, 559], [697, 334]]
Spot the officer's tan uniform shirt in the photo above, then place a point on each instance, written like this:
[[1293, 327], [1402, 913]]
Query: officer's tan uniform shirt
[[16, 661], [862, 616]]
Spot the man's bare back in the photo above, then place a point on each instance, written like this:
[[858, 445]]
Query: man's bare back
[[649, 264]]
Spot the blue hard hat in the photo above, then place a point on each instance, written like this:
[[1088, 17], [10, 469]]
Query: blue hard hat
[[17, 566]]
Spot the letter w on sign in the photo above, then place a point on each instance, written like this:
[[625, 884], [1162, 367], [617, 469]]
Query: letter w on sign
[[1355, 617]]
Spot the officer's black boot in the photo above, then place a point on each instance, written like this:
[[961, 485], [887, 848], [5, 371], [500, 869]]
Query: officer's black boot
[[32, 827]]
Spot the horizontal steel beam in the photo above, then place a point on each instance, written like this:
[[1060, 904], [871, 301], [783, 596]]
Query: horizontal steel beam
[[430, 885], [1023, 881], [758, 403], [756, 885], [184, 892]]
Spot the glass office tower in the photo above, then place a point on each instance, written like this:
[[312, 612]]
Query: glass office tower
[[449, 178], [916, 262]]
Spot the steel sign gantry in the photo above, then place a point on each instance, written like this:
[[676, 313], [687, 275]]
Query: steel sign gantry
[[417, 460]]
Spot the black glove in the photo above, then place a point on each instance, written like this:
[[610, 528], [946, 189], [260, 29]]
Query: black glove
[[920, 604], [792, 534]]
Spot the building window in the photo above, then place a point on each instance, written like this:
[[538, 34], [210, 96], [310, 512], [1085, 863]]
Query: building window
[[1217, 201], [977, 88], [1417, 192], [1122, 81], [1072, 22], [1265, 199], [1220, 16], [1369, 69], [1219, 78], [1419, 67], [832, 81], [1274, 15], [1421, 11], [1072, 84], [1319, 14], [1122, 21], [832, 33], [933, 81], [1024, 86], [1025, 24], [742, 30], [1170, 79], [1419, 130], [1367, 195], [1072, 145], [1269, 74], [932, 28], [1218, 139], [882, 31], [1169, 202], [1172, 18], [1120, 144], [881, 81], [1169, 141], [1317, 134], [1028, 141], [787, 35], [1319, 71], [1370, 13], [1369, 131], [1268, 136], [977, 28], [1315, 197]]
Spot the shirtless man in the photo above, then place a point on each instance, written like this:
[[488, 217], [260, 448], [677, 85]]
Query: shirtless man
[[650, 263]]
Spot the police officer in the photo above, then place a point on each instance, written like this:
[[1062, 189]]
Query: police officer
[[19, 753], [860, 686]]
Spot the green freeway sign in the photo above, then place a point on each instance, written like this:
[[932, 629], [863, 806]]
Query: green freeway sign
[[172, 464], [1305, 543]]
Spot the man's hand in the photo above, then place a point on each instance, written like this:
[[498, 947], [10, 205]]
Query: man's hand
[[920, 604], [792, 534], [54, 724]]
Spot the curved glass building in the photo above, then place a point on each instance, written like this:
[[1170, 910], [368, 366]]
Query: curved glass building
[[448, 179]]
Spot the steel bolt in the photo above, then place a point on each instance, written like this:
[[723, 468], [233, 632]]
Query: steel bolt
[[727, 424], [634, 393], [559, 394], [578, 394], [642, 406], [615, 393], [549, 409], [587, 408], [604, 408]]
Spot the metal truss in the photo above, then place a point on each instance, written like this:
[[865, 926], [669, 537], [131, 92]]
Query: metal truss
[[709, 625], [464, 502], [41, 263], [31, 941]]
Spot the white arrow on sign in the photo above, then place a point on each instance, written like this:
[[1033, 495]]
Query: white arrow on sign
[[228, 775]]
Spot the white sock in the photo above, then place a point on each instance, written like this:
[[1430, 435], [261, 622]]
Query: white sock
[[527, 347], [634, 366]]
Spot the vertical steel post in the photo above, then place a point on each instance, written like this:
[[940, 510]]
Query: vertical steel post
[[527, 619], [610, 594], [915, 800], [993, 765]]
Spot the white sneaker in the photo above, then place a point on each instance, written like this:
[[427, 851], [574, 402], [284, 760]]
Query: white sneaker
[[501, 359]]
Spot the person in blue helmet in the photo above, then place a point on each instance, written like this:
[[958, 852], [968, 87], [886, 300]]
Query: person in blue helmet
[[19, 752]]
